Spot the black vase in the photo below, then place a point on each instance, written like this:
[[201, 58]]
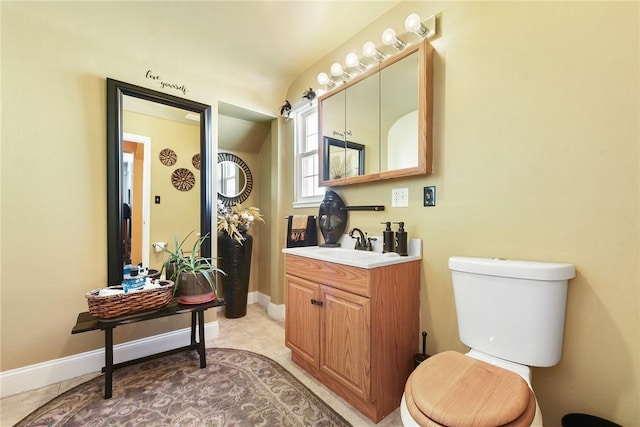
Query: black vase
[[235, 261]]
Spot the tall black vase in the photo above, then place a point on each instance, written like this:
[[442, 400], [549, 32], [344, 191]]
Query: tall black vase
[[235, 261]]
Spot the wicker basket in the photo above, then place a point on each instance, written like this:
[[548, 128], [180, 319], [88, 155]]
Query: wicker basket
[[109, 306]]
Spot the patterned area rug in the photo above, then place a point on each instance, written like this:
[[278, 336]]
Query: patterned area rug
[[237, 388]]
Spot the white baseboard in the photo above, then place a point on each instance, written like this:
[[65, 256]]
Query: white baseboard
[[53, 371], [31, 377], [274, 311]]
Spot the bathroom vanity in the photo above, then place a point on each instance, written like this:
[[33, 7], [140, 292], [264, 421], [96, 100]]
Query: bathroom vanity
[[352, 320]]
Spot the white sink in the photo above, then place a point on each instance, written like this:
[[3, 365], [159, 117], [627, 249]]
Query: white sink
[[354, 258]]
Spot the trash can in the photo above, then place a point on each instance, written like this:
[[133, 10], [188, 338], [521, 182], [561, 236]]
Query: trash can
[[584, 420]]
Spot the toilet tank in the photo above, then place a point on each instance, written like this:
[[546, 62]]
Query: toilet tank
[[513, 310]]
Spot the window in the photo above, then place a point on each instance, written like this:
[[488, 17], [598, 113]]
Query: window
[[308, 192]]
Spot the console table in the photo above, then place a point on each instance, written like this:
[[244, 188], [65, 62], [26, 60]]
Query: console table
[[86, 322]]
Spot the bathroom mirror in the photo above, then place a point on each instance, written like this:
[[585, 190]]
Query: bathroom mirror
[[235, 181], [197, 158], [389, 110]]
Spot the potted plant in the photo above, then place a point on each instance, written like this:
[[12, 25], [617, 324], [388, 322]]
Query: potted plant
[[194, 276]]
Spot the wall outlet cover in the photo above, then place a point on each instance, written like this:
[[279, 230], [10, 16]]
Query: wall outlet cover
[[400, 198]]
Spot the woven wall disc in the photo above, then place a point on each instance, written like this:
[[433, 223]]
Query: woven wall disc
[[183, 179], [168, 157], [195, 160]]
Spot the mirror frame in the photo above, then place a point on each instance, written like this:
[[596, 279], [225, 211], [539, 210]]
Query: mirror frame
[[116, 90], [248, 179], [425, 117]]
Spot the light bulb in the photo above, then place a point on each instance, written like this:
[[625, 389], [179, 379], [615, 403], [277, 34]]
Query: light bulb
[[370, 51], [389, 36], [352, 60], [336, 69], [413, 23], [323, 78]]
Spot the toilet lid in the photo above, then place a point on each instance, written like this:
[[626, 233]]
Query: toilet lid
[[450, 389]]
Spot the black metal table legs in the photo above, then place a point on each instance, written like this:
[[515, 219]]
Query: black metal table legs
[[197, 318]]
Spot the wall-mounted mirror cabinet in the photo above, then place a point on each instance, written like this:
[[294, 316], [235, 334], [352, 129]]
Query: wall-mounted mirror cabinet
[[378, 125], [158, 184]]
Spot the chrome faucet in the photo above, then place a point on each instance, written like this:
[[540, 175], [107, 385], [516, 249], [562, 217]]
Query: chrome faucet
[[363, 243]]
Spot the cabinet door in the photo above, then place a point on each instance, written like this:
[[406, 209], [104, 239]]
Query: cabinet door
[[345, 339], [302, 318], [362, 128]]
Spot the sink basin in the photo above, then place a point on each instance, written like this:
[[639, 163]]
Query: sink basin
[[352, 257]]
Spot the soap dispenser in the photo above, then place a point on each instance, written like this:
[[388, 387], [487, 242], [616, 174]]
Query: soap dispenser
[[401, 240], [389, 242]]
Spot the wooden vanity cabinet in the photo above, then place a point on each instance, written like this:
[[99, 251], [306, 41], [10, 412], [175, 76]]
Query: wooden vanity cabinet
[[354, 329]]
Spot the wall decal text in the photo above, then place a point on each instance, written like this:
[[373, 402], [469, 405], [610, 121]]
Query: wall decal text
[[163, 84]]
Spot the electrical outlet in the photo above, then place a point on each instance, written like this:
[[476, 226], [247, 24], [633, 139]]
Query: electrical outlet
[[400, 198], [430, 196]]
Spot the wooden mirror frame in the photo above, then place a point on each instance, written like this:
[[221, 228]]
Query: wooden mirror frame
[[115, 92], [425, 118]]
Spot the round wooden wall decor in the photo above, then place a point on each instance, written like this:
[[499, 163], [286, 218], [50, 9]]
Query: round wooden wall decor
[[195, 161], [183, 179], [168, 157]]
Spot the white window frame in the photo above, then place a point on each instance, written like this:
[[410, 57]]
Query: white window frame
[[299, 115]]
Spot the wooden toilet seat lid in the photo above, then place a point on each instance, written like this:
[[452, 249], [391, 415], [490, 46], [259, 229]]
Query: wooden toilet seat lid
[[451, 389]]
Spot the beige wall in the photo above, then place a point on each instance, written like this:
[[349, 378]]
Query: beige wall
[[536, 157], [536, 146], [56, 57]]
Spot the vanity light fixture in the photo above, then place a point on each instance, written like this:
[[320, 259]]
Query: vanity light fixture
[[353, 61], [192, 116], [337, 71], [370, 50], [414, 24], [390, 39], [324, 80]]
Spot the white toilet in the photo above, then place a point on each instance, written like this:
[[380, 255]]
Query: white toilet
[[511, 314]]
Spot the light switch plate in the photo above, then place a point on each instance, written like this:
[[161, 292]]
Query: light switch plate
[[430, 196], [400, 198]]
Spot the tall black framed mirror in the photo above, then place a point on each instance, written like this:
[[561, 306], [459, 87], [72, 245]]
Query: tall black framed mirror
[[117, 212]]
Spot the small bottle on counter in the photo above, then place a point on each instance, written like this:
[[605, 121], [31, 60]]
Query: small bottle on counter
[[388, 240], [401, 240]]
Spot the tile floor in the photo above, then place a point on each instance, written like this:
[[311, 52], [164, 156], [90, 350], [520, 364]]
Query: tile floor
[[255, 332]]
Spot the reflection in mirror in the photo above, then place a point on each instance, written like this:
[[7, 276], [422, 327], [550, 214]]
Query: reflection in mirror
[[231, 179], [235, 181], [127, 212], [349, 120], [361, 120], [159, 140], [399, 89], [333, 114], [346, 158]]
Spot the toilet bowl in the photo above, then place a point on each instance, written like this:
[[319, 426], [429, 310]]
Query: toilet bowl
[[498, 306]]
